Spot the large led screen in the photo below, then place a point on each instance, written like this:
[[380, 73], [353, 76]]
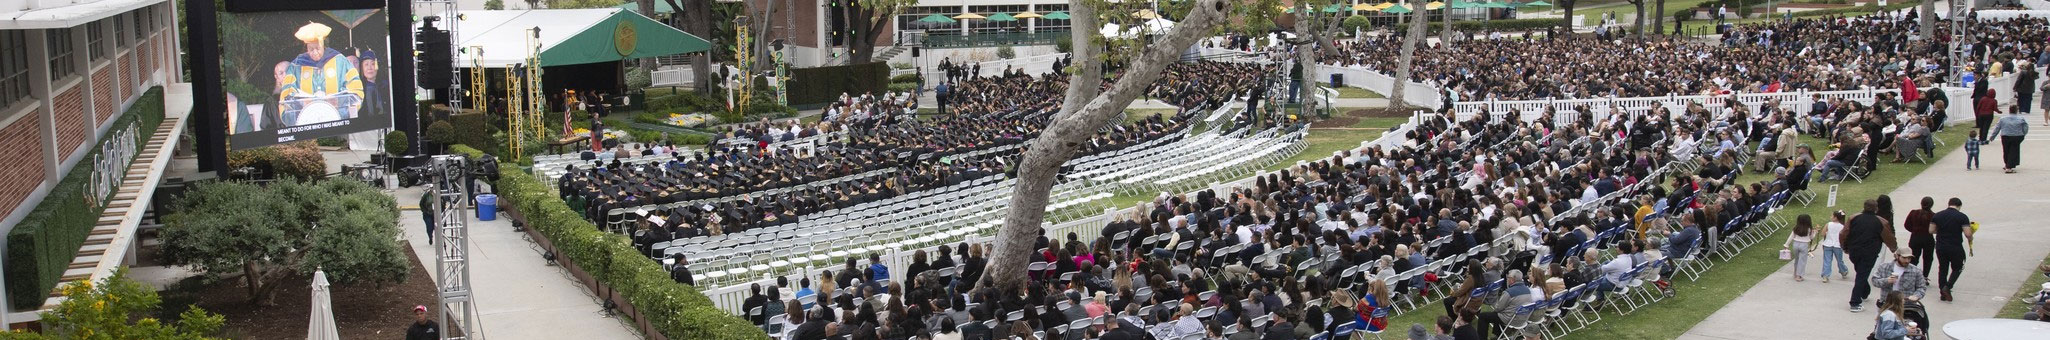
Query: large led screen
[[302, 75]]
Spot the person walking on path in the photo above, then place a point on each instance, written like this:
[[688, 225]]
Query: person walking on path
[[2011, 130], [1920, 241], [1863, 239], [1833, 248], [1953, 230], [1900, 277], [427, 211], [1800, 243], [1983, 109]]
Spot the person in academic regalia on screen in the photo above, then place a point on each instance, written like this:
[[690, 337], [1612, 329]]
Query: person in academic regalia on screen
[[321, 76]]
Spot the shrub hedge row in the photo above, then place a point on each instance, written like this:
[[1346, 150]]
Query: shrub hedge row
[[42, 246], [676, 310]]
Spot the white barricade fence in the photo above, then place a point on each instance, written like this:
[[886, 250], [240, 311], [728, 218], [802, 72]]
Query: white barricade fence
[[1419, 94]]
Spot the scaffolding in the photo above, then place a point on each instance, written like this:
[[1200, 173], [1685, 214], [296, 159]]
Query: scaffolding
[[1960, 52], [479, 79], [524, 100], [452, 251]]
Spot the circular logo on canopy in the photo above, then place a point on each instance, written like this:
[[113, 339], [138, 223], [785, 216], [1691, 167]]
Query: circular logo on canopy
[[623, 38]]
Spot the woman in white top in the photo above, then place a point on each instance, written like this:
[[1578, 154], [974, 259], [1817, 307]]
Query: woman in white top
[[1833, 249], [1799, 244]]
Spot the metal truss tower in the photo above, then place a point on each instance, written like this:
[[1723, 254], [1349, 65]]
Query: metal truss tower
[[452, 248]]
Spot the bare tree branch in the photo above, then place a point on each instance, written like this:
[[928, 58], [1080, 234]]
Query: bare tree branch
[[1086, 81], [1041, 164]]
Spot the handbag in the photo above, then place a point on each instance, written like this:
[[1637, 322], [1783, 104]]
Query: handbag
[[1786, 255]]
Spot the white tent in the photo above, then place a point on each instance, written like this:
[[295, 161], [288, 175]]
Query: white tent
[[504, 33], [320, 325], [1158, 26]]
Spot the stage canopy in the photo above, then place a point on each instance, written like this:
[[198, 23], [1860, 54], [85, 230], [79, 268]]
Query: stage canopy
[[569, 37]]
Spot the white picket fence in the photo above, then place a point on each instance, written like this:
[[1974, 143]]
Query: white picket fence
[[1417, 94]]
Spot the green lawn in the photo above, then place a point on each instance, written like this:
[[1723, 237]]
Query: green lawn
[[2015, 307], [1694, 301], [1347, 92]]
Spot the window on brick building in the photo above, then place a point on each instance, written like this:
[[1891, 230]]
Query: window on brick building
[[142, 24], [13, 67], [61, 48], [94, 33], [121, 28]]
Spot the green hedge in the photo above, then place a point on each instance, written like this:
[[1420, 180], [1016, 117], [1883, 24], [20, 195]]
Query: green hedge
[[42, 246], [821, 85], [677, 311]]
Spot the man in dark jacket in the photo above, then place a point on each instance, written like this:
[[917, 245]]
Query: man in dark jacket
[[681, 271], [975, 329], [422, 328], [813, 328], [427, 211], [1282, 329], [1863, 238]]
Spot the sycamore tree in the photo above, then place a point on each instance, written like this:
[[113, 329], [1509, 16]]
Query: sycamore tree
[[1069, 130], [287, 229], [1313, 31], [866, 21], [696, 19], [1407, 56], [1928, 19], [117, 308]]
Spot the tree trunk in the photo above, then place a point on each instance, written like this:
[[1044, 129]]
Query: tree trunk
[[1568, 4], [647, 8], [1405, 59], [1639, 25], [861, 43], [697, 20], [1928, 20], [1086, 81], [1042, 162], [1307, 36], [1658, 19], [1444, 32], [255, 280]]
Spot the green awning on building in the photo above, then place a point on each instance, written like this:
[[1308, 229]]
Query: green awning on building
[[570, 37]]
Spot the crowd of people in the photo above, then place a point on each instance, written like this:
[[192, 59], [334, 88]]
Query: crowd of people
[[1837, 53], [886, 152], [1225, 264]]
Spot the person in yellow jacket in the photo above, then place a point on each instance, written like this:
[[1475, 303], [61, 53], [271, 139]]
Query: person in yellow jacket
[[320, 85]]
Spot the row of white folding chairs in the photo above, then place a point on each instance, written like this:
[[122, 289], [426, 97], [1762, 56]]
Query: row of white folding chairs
[[1120, 167], [1087, 165], [932, 209], [1146, 172], [822, 248], [838, 217], [1238, 165]]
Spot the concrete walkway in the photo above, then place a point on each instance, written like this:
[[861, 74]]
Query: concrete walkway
[[519, 296], [2009, 245]]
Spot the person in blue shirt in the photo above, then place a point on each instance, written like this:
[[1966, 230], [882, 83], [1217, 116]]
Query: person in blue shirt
[[804, 292], [875, 266]]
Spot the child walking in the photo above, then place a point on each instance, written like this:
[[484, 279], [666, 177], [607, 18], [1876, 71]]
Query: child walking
[[1833, 248], [1799, 244], [1972, 143]]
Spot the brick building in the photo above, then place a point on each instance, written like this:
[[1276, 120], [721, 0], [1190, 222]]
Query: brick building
[[67, 68]]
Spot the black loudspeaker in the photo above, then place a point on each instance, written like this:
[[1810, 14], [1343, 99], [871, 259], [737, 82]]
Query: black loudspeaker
[[914, 52], [1337, 80]]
